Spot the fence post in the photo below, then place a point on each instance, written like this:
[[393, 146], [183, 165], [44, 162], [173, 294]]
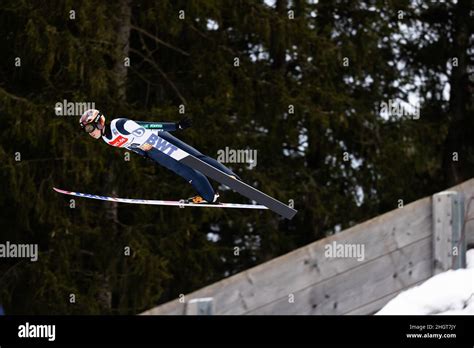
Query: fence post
[[449, 245]]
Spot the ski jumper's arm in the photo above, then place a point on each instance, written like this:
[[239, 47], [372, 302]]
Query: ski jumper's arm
[[166, 126], [161, 126]]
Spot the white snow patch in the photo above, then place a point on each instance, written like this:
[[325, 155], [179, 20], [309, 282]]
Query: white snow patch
[[447, 293]]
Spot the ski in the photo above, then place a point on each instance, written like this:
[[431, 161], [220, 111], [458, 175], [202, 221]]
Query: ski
[[240, 187], [160, 202], [244, 189]]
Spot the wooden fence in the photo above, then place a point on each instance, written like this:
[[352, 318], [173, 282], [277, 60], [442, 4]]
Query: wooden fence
[[402, 248]]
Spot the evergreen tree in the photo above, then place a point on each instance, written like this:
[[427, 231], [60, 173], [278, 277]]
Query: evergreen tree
[[301, 82]]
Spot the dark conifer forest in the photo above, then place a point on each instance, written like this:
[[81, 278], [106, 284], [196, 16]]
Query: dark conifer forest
[[351, 106]]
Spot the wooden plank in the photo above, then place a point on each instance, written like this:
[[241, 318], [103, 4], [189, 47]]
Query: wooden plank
[[300, 268], [200, 306], [303, 267], [376, 304], [458, 242], [467, 190], [169, 308], [449, 248], [372, 307], [442, 225], [347, 291]]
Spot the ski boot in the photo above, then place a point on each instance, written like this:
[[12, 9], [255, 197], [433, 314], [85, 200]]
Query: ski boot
[[199, 200]]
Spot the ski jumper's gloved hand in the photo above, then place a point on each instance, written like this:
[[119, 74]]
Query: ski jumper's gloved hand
[[184, 123]]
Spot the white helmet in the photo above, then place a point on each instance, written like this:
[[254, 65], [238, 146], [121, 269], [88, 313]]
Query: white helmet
[[92, 119]]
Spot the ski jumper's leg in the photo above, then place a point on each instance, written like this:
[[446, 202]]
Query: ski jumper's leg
[[191, 150], [199, 181]]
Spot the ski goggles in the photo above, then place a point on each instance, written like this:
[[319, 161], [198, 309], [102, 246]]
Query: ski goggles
[[91, 126]]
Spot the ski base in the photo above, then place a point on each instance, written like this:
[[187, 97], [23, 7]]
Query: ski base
[[181, 203]]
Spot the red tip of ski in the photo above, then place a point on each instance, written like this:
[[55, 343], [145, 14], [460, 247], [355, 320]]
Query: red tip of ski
[[59, 190]]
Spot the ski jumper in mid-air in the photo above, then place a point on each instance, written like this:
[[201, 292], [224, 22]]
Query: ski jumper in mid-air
[[135, 136]]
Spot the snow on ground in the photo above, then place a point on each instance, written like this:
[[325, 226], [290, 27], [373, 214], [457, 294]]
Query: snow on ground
[[448, 293]]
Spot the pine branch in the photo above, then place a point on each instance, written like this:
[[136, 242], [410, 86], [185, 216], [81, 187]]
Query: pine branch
[[162, 73], [158, 40]]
